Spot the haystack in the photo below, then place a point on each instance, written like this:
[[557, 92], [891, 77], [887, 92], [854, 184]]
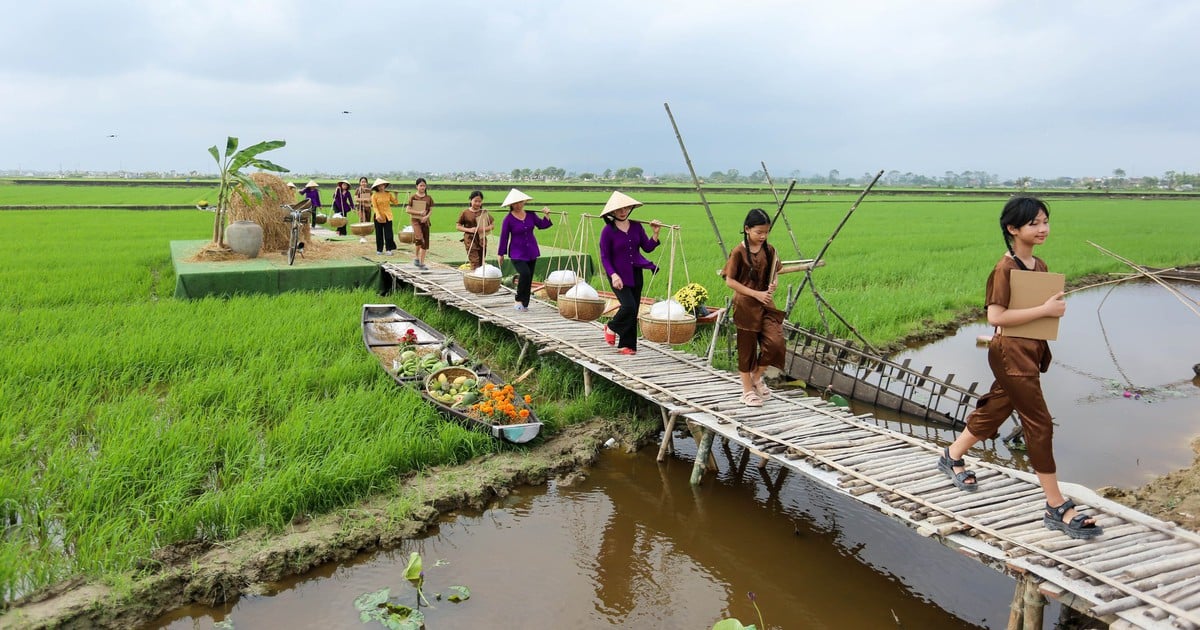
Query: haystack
[[268, 211]]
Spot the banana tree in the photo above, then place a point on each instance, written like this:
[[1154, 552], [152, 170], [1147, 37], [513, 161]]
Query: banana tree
[[233, 179]]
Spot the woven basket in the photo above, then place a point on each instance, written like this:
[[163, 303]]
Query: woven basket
[[337, 222], [405, 237], [451, 373], [580, 309], [672, 331], [362, 229], [554, 288], [484, 286]]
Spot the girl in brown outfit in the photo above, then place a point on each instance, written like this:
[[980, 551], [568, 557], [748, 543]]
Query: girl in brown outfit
[[1016, 363], [751, 272], [420, 222], [475, 223]]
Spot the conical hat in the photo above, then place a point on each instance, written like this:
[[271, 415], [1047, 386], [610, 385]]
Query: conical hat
[[619, 200], [379, 182], [291, 185], [343, 181], [312, 184], [514, 196]]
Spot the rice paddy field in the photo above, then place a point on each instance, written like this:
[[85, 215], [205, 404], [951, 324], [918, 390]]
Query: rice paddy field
[[131, 420]]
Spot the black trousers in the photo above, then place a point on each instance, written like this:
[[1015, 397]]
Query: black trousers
[[384, 236], [625, 322], [524, 278]]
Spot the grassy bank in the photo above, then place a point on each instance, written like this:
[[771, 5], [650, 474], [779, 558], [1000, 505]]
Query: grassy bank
[[132, 421]]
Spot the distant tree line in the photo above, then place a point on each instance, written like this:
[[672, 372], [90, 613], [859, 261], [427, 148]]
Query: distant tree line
[[1170, 180]]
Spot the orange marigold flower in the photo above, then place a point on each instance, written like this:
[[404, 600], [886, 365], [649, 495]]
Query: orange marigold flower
[[528, 399], [524, 413]]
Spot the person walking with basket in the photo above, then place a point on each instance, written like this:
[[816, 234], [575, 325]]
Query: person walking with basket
[[518, 242], [343, 203], [622, 242], [475, 223]]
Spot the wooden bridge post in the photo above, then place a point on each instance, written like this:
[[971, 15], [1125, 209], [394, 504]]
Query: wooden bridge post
[[702, 455], [1016, 609], [1028, 605], [1035, 605], [587, 383], [668, 430]]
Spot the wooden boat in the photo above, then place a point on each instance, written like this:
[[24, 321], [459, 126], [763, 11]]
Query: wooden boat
[[610, 308], [382, 327]]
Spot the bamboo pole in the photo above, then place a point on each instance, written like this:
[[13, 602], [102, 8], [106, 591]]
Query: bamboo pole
[[1035, 606], [667, 226], [712, 344], [1183, 299], [1124, 278], [668, 434], [702, 454], [696, 182], [838, 229], [779, 205], [1016, 608]]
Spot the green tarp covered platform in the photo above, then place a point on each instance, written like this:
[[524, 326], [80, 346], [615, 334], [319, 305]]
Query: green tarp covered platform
[[269, 273], [344, 263]]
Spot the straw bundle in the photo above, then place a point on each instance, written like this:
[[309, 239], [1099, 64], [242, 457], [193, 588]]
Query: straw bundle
[[267, 212]]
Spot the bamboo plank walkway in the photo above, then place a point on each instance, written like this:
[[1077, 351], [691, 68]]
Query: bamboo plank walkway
[[1141, 572]]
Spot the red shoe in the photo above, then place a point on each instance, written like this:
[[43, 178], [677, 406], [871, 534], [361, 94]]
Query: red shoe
[[610, 337], [628, 351]]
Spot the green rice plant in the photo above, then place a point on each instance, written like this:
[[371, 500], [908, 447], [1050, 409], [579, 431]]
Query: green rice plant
[[97, 195]]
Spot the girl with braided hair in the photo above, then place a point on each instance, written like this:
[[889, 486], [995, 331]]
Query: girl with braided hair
[[751, 272], [1016, 364]]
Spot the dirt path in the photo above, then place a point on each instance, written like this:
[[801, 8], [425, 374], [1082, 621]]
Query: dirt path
[[213, 573], [1172, 497]]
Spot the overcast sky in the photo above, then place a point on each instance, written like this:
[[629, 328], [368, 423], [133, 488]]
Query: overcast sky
[[1009, 87]]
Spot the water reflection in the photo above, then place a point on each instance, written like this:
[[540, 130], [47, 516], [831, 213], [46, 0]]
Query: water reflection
[[635, 545]]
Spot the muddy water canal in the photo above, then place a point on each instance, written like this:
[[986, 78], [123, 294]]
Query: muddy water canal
[[633, 545]]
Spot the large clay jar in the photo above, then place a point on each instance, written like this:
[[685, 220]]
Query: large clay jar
[[244, 237]]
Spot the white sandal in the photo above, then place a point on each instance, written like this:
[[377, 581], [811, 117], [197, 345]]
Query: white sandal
[[751, 399], [762, 390]]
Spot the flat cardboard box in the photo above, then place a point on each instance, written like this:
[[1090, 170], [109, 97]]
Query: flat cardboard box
[[418, 208], [1033, 288]]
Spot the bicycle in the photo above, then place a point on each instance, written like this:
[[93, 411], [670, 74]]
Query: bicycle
[[297, 216]]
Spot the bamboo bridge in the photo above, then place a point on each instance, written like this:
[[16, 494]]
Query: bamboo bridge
[[1141, 573]]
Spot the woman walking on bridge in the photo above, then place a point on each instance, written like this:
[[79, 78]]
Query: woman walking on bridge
[[622, 242], [1016, 363], [518, 242]]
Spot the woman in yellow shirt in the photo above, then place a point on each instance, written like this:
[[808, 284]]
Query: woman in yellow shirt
[[382, 201]]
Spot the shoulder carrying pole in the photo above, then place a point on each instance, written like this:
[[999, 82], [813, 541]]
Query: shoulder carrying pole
[[696, 182], [779, 205]]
